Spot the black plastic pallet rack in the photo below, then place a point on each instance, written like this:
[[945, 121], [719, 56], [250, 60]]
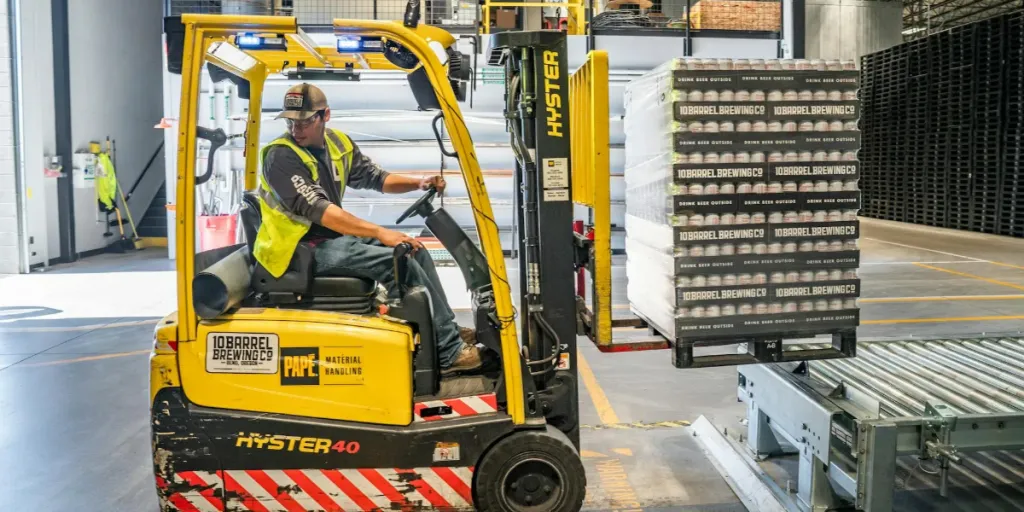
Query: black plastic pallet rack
[[943, 122]]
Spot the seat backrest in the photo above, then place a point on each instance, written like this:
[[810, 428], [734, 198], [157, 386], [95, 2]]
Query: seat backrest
[[251, 218]]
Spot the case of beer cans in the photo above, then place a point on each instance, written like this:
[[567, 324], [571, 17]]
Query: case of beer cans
[[742, 198]]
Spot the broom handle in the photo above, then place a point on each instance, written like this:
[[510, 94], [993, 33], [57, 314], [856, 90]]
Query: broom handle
[[127, 209], [120, 225]]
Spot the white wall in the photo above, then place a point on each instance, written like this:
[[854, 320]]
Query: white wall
[[848, 29], [116, 91], [38, 129], [10, 257]]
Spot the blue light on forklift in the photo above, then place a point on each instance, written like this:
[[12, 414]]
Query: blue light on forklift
[[361, 44], [249, 41], [349, 44]]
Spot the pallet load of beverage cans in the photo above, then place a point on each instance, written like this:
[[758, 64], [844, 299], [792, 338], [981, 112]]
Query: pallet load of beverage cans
[[741, 205]]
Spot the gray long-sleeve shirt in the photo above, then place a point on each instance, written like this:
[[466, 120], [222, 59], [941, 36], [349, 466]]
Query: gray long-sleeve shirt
[[292, 182]]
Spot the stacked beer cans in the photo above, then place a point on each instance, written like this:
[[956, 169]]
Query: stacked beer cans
[[742, 198]]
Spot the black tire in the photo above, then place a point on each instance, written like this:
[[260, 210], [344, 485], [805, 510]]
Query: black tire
[[531, 471]]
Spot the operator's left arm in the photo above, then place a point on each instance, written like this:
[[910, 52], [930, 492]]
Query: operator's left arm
[[366, 174]]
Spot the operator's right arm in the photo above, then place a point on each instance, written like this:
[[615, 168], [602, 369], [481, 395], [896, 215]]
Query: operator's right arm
[[293, 183]]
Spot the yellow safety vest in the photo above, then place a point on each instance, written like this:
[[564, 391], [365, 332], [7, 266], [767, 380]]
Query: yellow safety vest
[[106, 182], [281, 230]]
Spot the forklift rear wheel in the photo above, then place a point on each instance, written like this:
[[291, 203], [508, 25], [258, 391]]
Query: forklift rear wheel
[[531, 471]]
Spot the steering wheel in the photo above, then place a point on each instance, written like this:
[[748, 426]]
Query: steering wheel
[[422, 206]]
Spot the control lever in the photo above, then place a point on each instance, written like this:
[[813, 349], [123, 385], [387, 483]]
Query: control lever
[[217, 139], [402, 252]]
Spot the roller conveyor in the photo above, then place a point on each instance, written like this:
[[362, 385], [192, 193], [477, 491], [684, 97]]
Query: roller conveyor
[[932, 424]]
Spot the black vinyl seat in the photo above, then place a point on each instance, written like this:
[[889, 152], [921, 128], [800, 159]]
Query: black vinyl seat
[[343, 287], [298, 286]]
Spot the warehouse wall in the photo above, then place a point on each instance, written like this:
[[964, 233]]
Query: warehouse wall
[[848, 29], [38, 129], [9, 252], [116, 91]]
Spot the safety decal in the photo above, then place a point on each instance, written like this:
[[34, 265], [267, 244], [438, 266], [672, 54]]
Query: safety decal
[[447, 452], [434, 410], [563, 361], [329, 490], [232, 352]]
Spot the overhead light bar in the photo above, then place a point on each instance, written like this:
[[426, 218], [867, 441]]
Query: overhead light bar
[[914, 30], [247, 41]]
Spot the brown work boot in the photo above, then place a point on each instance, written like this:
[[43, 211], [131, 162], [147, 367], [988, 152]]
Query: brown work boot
[[468, 335], [468, 359]]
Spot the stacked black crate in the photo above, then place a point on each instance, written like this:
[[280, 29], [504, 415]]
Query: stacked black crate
[[741, 203], [940, 118], [956, 78], [883, 129], [964, 98], [916, 158], [1012, 181], [895, 172], [869, 158], [987, 112]]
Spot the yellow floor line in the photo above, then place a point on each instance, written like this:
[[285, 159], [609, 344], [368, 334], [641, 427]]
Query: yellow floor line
[[88, 358], [972, 276], [1001, 264], [601, 403], [940, 320]]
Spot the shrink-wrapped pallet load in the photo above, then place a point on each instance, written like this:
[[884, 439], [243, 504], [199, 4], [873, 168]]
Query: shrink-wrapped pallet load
[[742, 198]]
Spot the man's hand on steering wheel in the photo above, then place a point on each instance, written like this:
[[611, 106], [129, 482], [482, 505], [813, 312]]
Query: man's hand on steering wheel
[[392, 238], [437, 181]]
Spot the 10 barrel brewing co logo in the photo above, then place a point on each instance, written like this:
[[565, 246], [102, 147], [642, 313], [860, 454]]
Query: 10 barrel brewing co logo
[[241, 353]]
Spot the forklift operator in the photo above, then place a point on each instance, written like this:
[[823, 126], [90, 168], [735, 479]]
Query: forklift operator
[[304, 176]]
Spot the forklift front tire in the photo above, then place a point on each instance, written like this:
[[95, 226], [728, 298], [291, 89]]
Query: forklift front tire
[[531, 471]]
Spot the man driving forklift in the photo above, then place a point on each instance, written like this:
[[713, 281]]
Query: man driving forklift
[[304, 176]]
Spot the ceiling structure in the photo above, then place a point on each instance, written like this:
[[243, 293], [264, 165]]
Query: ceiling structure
[[923, 17]]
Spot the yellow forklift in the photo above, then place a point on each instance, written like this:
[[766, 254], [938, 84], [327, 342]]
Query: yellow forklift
[[306, 393]]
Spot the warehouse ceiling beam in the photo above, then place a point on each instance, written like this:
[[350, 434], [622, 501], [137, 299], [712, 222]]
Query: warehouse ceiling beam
[[983, 11], [924, 17]]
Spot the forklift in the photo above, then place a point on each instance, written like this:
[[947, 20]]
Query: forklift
[[303, 392]]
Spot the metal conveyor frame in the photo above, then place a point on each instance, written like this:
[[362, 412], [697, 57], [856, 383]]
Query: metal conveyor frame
[[849, 423]]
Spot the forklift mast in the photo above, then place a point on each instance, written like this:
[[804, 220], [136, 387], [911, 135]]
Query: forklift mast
[[537, 118]]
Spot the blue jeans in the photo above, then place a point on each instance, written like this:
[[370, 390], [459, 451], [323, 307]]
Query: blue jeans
[[370, 259]]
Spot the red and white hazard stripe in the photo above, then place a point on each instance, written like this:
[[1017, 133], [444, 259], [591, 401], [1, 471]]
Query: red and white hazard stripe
[[202, 494], [327, 490], [466, 406]]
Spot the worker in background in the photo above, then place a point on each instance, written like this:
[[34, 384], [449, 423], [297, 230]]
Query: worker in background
[[303, 180]]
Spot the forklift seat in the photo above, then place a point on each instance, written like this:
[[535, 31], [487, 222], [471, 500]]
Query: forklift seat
[[329, 292]]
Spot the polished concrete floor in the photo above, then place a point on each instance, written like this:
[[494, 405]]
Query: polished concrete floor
[[74, 422]]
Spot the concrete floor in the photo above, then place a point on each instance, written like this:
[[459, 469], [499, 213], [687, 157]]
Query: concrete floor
[[74, 421]]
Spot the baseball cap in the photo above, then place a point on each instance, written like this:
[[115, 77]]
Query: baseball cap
[[302, 101]]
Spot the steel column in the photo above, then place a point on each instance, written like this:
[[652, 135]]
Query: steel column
[[62, 129]]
